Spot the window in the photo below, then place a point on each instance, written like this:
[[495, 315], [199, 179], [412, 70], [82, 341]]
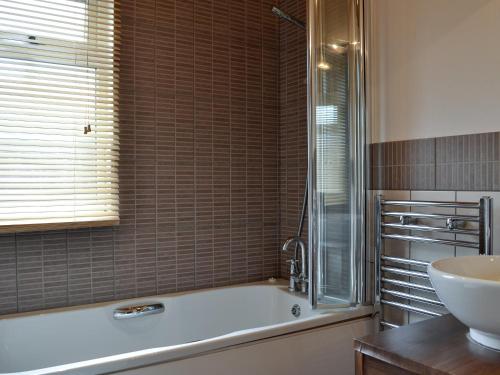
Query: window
[[58, 121]]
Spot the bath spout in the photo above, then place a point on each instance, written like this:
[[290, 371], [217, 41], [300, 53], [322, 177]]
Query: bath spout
[[298, 275]]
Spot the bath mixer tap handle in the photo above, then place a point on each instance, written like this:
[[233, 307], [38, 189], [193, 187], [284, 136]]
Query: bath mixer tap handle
[[138, 311], [294, 266]]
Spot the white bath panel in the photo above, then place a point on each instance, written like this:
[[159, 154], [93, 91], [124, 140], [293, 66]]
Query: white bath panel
[[322, 351]]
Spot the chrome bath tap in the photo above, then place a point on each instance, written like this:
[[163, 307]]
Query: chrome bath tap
[[298, 271]]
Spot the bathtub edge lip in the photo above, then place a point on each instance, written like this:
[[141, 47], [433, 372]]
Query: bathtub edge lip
[[280, 283]]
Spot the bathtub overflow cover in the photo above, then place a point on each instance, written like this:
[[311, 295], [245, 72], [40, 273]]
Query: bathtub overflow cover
[[296, 310]]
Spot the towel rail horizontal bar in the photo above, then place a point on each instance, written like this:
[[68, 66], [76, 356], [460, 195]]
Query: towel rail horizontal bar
[[470, 205], [420, 215], [387, 324], [410, 308], [471, 245], [411, 297], [409, 273], [411, 262], [406, 284], [426, 228]]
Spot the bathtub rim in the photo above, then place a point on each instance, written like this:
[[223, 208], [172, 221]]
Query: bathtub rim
[[156, 356], [325, 316], [282, 284]]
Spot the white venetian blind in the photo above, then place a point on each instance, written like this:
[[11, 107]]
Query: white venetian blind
[[333, 131], [58, 121]]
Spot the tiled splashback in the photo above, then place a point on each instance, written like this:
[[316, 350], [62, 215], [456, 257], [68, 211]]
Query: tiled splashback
[[463, 163], [199, 176]]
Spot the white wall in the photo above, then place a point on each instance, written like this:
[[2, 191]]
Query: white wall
[[435, 68]]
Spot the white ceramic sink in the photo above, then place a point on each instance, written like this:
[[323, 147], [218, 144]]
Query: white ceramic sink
[[470, 289]]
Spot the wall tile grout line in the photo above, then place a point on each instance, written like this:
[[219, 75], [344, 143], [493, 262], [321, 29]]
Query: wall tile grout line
[[134, 121], [44, 302], [156, 126], [435, 164], [212, 144], [195, 153], [175, 154], [17, 270], [67, 269]]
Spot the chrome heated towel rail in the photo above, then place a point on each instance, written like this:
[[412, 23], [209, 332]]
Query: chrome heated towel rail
[[402, 282]]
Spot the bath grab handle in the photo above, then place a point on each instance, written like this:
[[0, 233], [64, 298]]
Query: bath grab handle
[[138, 311]]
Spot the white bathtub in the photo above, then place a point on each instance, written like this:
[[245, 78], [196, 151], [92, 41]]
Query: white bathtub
[[234, 330]]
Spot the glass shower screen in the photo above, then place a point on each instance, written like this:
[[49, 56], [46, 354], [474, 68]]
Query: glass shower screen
[[336, 152]]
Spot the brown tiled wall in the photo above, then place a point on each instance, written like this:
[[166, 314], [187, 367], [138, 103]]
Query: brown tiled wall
[[199, 193], [460, 163], [405, 165], [293, 121]]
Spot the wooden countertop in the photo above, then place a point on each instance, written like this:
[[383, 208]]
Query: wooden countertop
[[435, 346]]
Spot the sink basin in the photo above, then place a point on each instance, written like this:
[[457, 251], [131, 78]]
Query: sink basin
[[469, 287]]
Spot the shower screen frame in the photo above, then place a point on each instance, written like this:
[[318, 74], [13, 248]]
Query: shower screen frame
[[356, 161]]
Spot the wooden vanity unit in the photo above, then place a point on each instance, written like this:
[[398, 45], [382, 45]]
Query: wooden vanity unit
[[435, 346]]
